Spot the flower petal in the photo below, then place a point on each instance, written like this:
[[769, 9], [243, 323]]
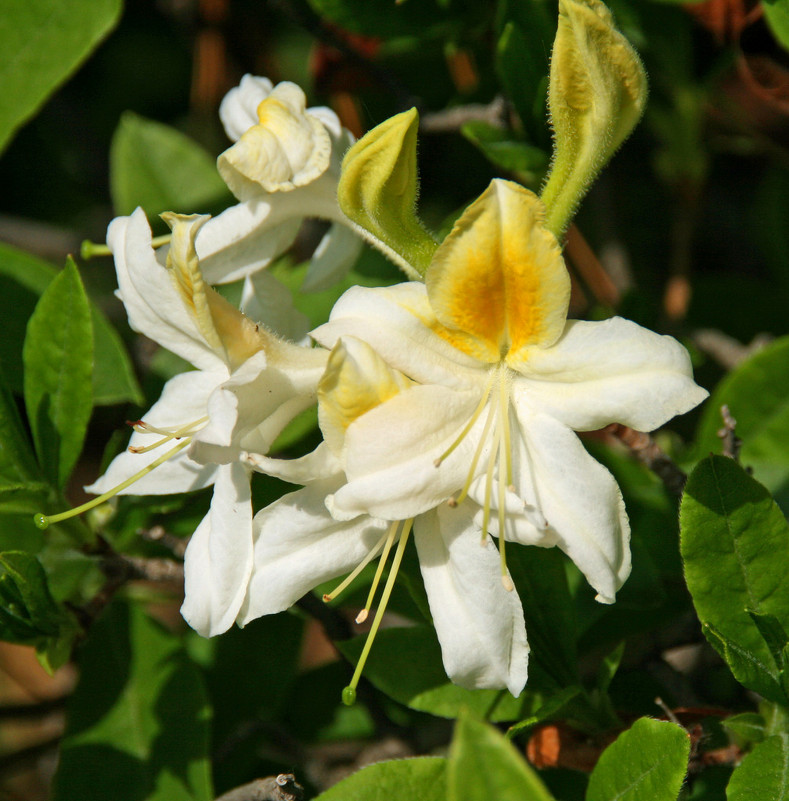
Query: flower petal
[[498, 281], [266, 300], [287, 148], [391, 454], [218, 559], [399, 324], [336, 253], [578, 497], [184, 399], [298, 546], [239, 107], [479, 624], [152, 302], [605, 372]]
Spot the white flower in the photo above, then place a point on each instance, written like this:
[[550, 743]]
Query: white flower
[[284, 167], [453, 404], [248, 385]]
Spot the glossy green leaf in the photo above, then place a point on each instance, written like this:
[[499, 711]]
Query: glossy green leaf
[[507, 153], [138, 723], [41, 43], [763, 774], [27, 609], [648, 762], [757, 394], [58, 359], [423, 778], [18, 468], [749, 727], [776, 13], [405, 663], [23, 278], [483, 765], [157, 167], [735, 545]]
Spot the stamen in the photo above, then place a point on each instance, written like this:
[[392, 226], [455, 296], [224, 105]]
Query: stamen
[[43, 521], [468, 426], [89, 250], [330, 596], [145, 428], [349, 693], [489, 481], [505, 421], [477, 454], [362, 616], [503, 444]]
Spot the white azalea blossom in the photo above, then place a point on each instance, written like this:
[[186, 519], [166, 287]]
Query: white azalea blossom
[[451, 406], [284, 167], [247, 386]]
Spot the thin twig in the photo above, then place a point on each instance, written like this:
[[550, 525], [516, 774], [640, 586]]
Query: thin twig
[[731, 442], [452, 119], [726, 350], [648, 452], [176, 545], [273, 788]]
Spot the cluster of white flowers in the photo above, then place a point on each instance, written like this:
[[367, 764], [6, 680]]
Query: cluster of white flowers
[[447, 405]]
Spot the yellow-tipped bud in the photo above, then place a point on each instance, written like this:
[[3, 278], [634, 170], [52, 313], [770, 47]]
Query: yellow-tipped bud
[[378, 190], [596, 95]]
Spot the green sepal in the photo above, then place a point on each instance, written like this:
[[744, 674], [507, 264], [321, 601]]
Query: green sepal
[[378, 190]]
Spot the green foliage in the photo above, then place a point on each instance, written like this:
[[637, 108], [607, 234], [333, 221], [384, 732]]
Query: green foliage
[[735, 545], [28, 613], [157, 167], [41, 44], [423, 778], [776, 12], [483, 765], [58, 359], [762, 773], [23, 278], [646, 763], [757, 394], [138, 721]]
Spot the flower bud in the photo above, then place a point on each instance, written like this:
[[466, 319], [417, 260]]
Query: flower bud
[[596, 95]]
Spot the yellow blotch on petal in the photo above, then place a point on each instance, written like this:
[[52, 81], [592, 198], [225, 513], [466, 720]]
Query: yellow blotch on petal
[[498, 282], [356, 380], [221, 324]]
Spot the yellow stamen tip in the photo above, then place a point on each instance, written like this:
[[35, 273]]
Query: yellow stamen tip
[[362, 616], [507, 582], [349, 696], [452, 503], [326, 597], [511, 488], [437, 462], [41, 521], [90, 249]]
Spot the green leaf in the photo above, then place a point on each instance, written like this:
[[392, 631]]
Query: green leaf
[[776, 12], [757, 394], [58, 359], [541, 581], [504, 152], [648, 762], [157, 167], [763, 774], [23, 278], [27, 609], [41, 44], [405, 663], [422, 778], [522, 66], [749, 727], [551, 708], [138, 723], [483, 766], [18, 468], [735, 545]]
